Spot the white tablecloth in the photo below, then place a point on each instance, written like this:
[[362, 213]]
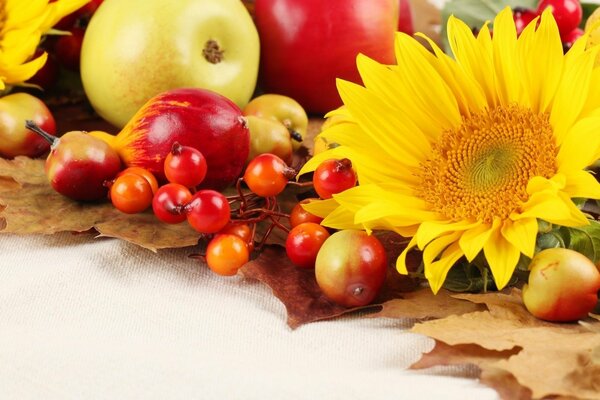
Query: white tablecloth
[[84, 318]]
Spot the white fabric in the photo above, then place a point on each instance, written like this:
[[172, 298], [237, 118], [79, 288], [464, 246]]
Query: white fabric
[[85, 318]]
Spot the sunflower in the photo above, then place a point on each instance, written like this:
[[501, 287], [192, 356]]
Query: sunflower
[[22, 24], [466, 154]]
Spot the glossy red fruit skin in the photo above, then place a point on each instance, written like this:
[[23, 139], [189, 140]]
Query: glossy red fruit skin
[[208, 211], [306, 45], [351, 268], [265, 175], [567, 13], [68, 49], [169, 203], [303, 243], [185, 165], [333, 176], [194, 117]]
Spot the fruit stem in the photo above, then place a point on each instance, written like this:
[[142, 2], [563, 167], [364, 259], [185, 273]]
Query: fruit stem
[[176, 148], [289, 173], [32, 126], [295, 135]]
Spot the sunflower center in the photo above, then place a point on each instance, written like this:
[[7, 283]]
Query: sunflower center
[[480, 170]]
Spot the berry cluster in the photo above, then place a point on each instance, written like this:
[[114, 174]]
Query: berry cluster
[[353, 265], [567, 13]]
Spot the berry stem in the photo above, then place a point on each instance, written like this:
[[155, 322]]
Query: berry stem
[[32, 126]]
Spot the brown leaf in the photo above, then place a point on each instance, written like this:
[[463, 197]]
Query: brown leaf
[[295, 287], [423, 304], [445, 354], [29, 205], [547, 359]]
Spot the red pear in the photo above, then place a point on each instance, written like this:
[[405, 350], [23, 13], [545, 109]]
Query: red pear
[[198, 118], [79, 164]]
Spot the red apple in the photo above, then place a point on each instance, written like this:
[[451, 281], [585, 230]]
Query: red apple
[[563, 285], [306, 45], [15, 139], [199, 118]]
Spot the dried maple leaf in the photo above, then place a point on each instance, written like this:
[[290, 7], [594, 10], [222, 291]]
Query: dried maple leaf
[[29, 205], [509, 346], [423, 304]]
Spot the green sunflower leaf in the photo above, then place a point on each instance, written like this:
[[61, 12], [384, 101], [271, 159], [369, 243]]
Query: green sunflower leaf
[[584, 239]]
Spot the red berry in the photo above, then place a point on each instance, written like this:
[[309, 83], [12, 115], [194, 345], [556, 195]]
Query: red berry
[[303, 243], [567, 13], [333, 176], [131, 193], [169, 203], [267, 175], [208, 211], [185, 165], [144, 173], [242, 231], [226, 254], [299, 215], [522, 18]]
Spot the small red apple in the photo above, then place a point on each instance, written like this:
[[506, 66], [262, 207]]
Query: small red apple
[[563, 285], [306, 45], [79, 165], [15, 139]]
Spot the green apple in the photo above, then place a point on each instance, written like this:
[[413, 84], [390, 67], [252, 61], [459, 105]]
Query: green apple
[[136, 49]]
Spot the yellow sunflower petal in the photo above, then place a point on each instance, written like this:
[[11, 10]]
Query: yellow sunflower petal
[[426, 87], [507, 82], [438, 270], [469, 95], [571, 95], [522, 234], [20, 73], [472, 240], [471, 57], [541, 54], [582, 184], [502, 257], [389, 131], [437, 246], [429, 230], [321, 208], [581, 146], [401, 260]]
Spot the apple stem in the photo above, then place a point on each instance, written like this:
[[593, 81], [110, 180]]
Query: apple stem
[[32, 126]]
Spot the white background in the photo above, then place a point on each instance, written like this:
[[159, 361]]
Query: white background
[[85, 318]]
